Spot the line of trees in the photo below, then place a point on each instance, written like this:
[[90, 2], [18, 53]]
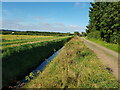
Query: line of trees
[[34, 33], [104, 21]]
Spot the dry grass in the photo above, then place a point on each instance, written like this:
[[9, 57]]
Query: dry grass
[[14, 37]]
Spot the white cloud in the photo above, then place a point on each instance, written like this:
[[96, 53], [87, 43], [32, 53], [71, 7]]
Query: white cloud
[[43, 26], [81, 4], [73, 26], [38, 18], [59, 24], [77, 4]]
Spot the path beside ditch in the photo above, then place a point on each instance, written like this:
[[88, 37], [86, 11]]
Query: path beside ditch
[[108, 57]]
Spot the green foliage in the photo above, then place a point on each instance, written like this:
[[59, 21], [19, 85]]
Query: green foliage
[[84, 34], [27, 78], [104, 17], [111, 46], [38, 72], [76, 33], [32, 75], [95, 34]]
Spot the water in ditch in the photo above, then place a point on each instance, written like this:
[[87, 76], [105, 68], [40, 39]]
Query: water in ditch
[[39, 68]]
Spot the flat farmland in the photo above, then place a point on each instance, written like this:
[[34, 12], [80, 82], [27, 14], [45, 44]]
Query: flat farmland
[[17, 40], [14, 37]]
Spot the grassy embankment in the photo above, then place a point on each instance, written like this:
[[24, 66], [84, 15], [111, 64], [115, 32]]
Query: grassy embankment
[[18, 61], [76, 66], [111, 46]]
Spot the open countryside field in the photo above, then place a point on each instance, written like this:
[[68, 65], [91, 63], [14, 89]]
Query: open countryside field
[[79, 66], [60, 45], [23, 54], [16, 40], [15, 37]]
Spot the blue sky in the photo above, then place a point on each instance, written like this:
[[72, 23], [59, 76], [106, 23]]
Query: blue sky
[[46, 16]]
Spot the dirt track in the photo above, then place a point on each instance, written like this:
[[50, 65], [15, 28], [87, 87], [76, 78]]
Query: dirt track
[[108, 57]]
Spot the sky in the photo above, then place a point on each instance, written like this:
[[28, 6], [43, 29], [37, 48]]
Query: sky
[[45, 16]]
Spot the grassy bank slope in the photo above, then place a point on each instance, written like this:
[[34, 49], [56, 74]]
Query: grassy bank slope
[[111, 46], [75, 67], [18, 61]]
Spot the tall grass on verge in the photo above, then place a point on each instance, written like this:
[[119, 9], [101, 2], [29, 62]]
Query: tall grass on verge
[[17, 62], [76, 66], [111, 46]]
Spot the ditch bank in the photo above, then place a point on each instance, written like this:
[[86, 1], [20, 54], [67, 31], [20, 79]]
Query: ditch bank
[[76, 66], [19, 61], [35, 72]]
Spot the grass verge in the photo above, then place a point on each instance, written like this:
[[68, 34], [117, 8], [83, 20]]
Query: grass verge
[[76, 66], [111, 46]]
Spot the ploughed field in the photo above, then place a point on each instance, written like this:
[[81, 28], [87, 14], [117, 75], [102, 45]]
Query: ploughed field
[[23, 53]]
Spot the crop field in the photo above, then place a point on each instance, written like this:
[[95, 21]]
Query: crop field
[[17, 40], [23, 53], [15, 37], [76, 66]]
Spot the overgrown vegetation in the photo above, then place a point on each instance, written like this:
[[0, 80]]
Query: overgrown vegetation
[[84, 34], [104, 21], [111, 46], [94, 35], [76, 66], [18, 61]]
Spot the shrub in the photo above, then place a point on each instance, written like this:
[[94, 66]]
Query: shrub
[[95, 34]]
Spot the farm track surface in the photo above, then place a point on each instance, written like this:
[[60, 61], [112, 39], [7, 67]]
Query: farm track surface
[[108, 57]]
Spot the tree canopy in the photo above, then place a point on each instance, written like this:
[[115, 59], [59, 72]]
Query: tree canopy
[[105, 18], [13, 32]]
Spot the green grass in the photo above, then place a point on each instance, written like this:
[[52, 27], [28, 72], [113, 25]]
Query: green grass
[[20, 60], [111, 46], [75, 66], [18, 41]]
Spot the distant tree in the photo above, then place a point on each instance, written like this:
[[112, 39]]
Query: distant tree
[[34, 33], [76, 33], [68, 33], [84, 34]]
